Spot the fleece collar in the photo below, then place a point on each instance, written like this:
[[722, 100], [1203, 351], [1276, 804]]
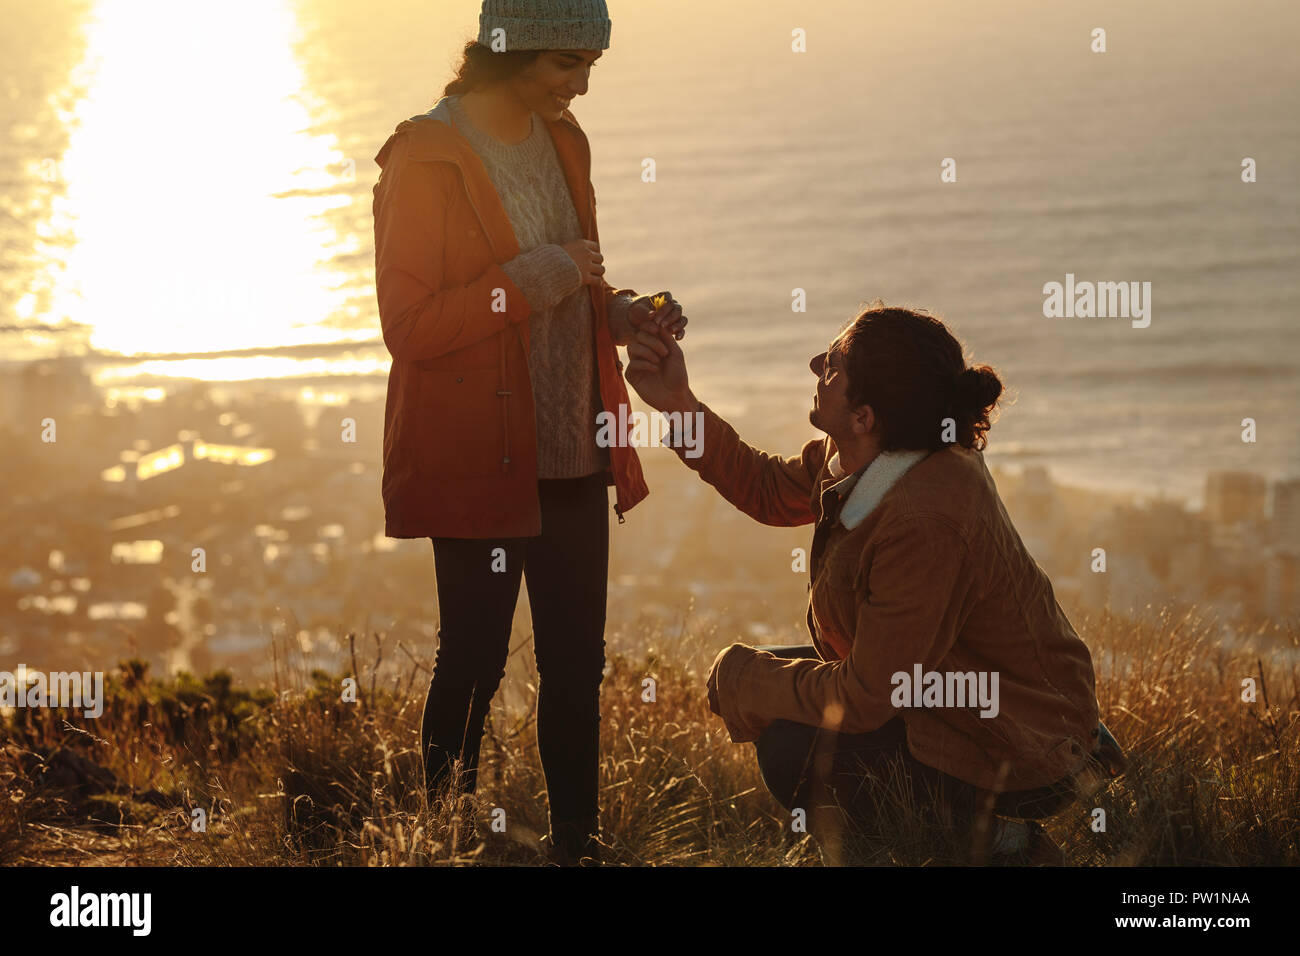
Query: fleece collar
[[870, 484]]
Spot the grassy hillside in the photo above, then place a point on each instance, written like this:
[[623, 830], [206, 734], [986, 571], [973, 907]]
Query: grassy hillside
[[291, 775]]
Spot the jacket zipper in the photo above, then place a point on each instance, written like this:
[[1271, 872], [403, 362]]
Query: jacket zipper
[[591, 227]]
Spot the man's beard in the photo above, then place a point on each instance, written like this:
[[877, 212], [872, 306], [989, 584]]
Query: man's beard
[[814, 418]]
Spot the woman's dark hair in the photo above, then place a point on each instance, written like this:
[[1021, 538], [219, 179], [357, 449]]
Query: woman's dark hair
[[909, 368], [479, 66]]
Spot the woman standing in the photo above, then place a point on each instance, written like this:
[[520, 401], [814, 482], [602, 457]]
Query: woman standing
[[502, 331]]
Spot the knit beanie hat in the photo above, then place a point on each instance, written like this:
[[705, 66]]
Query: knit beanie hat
[[546, 24]]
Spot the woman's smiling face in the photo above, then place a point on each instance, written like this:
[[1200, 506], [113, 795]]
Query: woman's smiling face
[[552, 80]]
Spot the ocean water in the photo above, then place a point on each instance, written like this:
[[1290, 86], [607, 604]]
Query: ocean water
[[186, 192]]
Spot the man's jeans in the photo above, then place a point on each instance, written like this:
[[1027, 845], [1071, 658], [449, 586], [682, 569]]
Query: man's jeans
[[805, 766], [566, 568]]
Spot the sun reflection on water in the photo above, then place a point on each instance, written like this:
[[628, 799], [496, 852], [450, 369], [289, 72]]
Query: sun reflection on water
[[195, 191]]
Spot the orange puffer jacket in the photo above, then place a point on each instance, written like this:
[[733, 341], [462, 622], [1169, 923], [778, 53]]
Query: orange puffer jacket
[[460, 442]]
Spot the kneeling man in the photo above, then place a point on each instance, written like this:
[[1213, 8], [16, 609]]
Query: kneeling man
[[942, 670]]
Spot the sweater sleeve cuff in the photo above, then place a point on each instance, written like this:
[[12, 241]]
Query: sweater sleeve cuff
[[545, 275], [616, 310]]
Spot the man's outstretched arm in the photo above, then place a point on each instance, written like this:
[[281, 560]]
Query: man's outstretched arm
[[769, 488]]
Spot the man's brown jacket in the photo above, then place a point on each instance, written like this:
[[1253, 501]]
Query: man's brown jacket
[[917, 570]]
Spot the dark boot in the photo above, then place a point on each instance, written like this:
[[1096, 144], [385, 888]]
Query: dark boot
[[1042, 850], [575, 843], [442, 774], [1023, 843]]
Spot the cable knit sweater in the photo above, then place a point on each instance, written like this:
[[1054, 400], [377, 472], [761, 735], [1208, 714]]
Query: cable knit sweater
[[561, 358]]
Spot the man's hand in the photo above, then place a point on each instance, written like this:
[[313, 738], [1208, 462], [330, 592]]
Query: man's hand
[[657, 370], [643, 314]]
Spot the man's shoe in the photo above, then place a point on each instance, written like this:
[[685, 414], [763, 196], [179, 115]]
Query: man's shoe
[[1023, 843], [1042, 850]]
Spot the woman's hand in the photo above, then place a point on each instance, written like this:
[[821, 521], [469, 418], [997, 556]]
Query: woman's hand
[[642, 313], [586, 255]]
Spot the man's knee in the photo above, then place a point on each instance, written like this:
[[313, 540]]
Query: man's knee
[[789, 651]]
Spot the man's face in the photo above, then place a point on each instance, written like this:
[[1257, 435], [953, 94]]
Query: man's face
[[831, 411], [830, 402], [553, 80]]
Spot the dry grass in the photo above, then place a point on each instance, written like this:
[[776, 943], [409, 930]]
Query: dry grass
[[291, 775]]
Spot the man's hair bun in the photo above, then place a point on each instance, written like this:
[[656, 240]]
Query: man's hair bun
[[977, 388]]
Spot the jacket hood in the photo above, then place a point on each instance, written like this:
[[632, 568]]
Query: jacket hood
[[433, 135]]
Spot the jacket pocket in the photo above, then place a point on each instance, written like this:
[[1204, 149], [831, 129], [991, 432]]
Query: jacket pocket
[[835, 606], [460, 432]]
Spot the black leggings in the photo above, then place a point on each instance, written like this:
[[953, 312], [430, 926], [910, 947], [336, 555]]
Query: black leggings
[[565, 567]]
